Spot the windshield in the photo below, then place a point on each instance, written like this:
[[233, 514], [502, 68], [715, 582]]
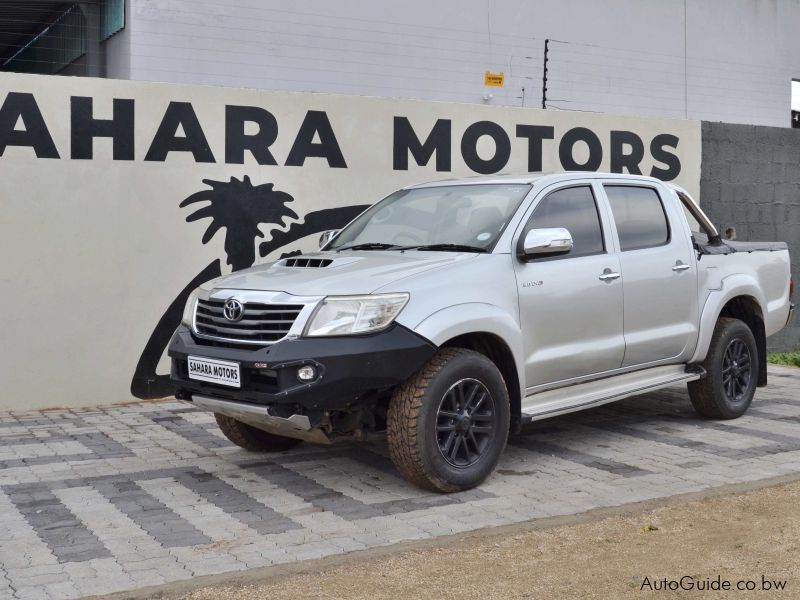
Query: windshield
[[447, 217]]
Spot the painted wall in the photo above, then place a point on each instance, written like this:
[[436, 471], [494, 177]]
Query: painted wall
[[102, 238], [751, 181], [727, 61]]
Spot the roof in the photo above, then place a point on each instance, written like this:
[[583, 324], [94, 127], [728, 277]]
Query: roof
[[531, 178]]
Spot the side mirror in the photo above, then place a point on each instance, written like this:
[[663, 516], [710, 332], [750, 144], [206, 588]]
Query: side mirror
[[546, 242], [327, 236]]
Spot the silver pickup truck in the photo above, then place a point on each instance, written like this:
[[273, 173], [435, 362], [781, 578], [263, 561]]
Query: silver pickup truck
[[451, 313]]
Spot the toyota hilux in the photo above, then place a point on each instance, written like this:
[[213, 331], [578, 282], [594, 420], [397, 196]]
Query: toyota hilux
[[449, 314]]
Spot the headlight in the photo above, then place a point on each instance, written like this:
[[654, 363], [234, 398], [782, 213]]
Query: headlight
[[345, 315], [188, 310]]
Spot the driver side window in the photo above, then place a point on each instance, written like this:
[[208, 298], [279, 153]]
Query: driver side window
[[575, 209]]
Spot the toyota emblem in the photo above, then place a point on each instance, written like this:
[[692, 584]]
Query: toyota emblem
[[233, 310]]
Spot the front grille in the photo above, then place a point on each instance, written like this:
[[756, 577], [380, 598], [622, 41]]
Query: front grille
[[261, 323]]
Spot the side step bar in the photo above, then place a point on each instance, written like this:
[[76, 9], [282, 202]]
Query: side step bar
[[296, 426], [564, 400]]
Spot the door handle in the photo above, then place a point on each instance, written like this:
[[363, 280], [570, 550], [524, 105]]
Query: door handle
[[679, 266], [608, 275]]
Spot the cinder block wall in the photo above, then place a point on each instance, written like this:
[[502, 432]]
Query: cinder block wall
[[750, 180]]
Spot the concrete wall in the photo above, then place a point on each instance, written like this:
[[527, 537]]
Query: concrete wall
[[729, 61], [750, 179]]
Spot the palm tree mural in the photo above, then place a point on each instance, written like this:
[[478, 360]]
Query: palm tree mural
[[240, 208]]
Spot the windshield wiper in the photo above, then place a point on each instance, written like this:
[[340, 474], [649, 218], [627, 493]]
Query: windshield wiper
[[447, 248], [432, 247], [368, 246]]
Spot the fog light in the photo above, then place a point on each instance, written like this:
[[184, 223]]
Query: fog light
[[307, 373]]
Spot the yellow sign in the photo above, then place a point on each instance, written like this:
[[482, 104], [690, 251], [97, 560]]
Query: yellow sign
[[493, 79]]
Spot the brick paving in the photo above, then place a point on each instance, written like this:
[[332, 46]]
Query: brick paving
[[109, 499]]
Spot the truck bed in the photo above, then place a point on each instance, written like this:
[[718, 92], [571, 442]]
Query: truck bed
[[732, 247]]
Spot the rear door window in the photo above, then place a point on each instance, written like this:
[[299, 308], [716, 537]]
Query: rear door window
[[639, 216]]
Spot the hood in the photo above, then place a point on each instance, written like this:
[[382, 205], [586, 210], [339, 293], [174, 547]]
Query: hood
[[331, 273]]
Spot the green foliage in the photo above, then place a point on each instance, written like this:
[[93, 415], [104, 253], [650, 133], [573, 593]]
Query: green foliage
[[791, 359]]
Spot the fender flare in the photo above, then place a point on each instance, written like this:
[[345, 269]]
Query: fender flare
[[730, 288], [476, 317]]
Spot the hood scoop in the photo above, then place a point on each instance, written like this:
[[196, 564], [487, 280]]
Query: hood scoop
[[307, 263], [315, 261]]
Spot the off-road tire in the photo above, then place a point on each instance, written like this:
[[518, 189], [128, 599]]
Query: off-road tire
[[708, 394], [412, 421], [251, 438]]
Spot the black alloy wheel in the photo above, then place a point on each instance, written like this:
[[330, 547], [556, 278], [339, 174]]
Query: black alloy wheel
[[465, 422], [736, 370]]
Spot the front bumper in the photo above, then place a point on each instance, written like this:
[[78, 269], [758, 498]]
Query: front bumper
[[349, 368]]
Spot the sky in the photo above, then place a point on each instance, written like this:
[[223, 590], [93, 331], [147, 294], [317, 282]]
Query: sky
[[795, 95]]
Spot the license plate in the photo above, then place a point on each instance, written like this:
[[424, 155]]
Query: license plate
[[212, 370]]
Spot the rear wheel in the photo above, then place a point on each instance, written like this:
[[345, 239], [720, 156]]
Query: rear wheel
[[731, 372], [252, 438], [448, 424]]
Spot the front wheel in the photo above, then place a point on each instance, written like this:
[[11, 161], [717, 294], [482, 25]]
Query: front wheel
[[448, 425], [731, 372]]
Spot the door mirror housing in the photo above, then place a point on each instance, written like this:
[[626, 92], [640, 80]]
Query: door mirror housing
[[327, 236], [546, 242]]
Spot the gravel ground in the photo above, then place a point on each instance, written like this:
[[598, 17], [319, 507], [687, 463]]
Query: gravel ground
[[738, 538]]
